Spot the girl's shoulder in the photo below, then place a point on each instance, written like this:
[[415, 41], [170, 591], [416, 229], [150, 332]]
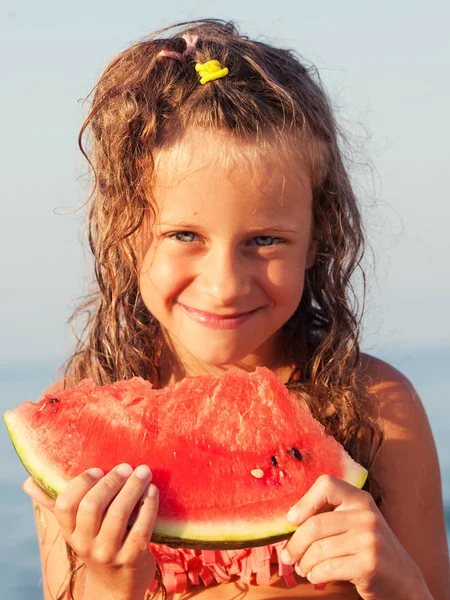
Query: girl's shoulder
[[377, 370], [392, 392]]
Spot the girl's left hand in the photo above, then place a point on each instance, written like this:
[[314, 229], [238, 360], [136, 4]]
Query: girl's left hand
[[352, 543]]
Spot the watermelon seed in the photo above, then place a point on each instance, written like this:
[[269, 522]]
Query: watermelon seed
[[54, 400], [295, 453], [274, 461], [258, 473]]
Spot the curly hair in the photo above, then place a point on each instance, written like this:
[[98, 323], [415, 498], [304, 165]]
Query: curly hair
[[145, 102]]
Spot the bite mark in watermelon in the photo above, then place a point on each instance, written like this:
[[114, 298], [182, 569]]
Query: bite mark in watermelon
[[230, 455]]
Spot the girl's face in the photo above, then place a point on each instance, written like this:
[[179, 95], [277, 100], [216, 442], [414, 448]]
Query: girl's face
[[223, 266]]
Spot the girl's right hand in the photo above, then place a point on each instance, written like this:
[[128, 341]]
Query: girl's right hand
[[94, 512]]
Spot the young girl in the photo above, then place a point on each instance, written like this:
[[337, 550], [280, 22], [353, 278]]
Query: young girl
[[225, 233]]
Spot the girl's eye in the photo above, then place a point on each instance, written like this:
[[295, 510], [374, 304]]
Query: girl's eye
[[267, 240], [183, 236]]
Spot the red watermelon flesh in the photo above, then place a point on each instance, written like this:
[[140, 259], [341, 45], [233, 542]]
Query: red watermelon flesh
[[230, 455]]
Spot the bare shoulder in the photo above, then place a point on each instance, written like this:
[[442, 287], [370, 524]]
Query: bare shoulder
[[391, 388], [407, 467]]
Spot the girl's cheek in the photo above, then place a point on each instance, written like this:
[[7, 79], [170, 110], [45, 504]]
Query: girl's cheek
[[163, 278], [284, 275]]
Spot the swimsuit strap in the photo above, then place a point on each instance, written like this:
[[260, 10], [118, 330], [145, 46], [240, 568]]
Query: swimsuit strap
[[295, 375]]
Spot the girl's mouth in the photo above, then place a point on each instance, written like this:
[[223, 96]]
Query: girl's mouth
[[217, 321]]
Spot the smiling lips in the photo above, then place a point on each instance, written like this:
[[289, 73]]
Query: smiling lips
[[215, 321]]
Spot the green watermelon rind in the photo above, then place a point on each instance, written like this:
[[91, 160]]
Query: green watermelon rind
[[234, 532], [50, 480], [241, 534], [232, 535]]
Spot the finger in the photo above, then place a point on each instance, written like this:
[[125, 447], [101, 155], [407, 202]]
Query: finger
[[317, 528], [94, 504], [35, 492], [141, 532], [117, 516], [326, 549], [326, 491], [342, 568], [66, 505]]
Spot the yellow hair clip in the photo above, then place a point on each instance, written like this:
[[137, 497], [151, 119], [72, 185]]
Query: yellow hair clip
[[210, 70]]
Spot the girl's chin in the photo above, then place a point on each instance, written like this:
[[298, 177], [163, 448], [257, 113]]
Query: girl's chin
[[192, 349], [209, 357], [225, 357], [220, 359]]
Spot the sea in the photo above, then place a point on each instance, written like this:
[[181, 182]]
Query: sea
[[20, 572]]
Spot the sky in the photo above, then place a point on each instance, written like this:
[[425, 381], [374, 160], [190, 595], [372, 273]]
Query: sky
[[385, 65]]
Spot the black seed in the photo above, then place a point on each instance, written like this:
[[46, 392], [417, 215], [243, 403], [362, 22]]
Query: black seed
[[274, 461], [296, 453], [54, 400]]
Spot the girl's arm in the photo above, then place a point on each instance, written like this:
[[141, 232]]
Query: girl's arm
[[400, 552], [54, 559]]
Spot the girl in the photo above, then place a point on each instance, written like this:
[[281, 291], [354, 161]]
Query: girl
[[225, 233]]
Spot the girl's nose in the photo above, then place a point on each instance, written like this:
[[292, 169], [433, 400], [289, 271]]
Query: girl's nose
[[224, 278]]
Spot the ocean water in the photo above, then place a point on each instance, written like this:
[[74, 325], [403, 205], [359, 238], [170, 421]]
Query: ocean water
[[20, 572]]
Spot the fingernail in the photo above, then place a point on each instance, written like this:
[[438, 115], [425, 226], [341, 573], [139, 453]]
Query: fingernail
[[95, 473], [285, 557], [298, 570], [293, 515], [143, 472], [124, 470], [151, 491], [25, 486]]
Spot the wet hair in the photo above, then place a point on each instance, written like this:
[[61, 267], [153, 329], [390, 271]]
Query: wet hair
[[143, 104]]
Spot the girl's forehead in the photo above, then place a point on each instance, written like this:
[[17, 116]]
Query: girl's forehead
[[205, 190], [213, 176], [264, 161]]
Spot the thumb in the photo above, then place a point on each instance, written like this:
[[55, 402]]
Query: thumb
[[326, 493]]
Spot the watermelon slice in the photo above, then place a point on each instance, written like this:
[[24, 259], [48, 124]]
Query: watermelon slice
[[230, 455]]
